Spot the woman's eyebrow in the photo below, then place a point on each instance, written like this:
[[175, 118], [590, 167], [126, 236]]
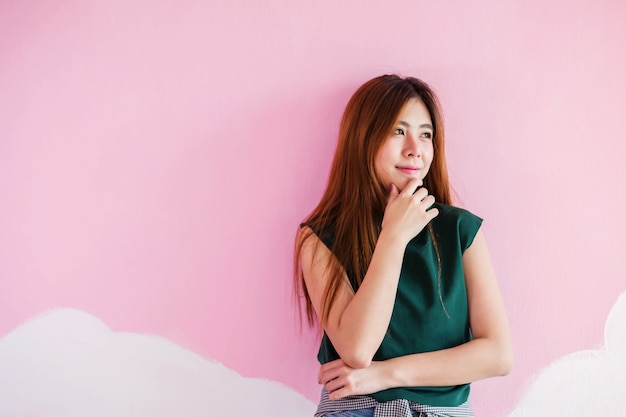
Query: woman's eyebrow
[[422, 126]]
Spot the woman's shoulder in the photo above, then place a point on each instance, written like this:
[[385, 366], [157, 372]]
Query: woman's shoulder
[[458, 222], [326, 235], [450, 213]]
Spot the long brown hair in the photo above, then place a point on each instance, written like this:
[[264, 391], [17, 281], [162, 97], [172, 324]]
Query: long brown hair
[[354, 201]]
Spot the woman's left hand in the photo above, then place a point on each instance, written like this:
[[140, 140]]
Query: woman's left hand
[[340, 380]]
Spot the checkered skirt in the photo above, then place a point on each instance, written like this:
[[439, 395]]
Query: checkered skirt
[[394, 408]]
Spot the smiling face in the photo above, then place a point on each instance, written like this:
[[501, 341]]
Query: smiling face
[[408, 150]]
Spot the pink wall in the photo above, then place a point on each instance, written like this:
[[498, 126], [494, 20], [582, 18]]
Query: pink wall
[[156, 157]]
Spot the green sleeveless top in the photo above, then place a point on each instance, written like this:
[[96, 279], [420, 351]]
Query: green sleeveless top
[[419, 322]]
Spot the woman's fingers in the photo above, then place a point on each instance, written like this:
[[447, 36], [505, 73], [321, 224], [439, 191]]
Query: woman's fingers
[[340, 386], [330, 371], [410, 211], [412, 186], [333, 375], [432, 213], [334, 385], [341, 381]]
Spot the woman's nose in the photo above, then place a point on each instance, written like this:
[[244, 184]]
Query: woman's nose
[[412, 148]]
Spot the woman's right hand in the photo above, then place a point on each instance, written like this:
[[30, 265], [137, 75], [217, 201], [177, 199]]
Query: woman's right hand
[[341, 380], [408, 211]]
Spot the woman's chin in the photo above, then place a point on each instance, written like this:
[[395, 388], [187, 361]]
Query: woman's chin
[[401, 185]]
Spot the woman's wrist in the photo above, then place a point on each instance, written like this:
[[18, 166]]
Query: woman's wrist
[[391, 240], [383, 374]]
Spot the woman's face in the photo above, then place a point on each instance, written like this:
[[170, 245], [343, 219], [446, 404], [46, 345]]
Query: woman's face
[[408, 150]]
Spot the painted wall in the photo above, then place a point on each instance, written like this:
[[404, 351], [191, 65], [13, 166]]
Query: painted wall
[[156, 157]]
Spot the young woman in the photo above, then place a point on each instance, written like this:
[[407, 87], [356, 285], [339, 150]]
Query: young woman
[[400, 280]]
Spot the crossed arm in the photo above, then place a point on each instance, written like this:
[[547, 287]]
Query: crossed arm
[[358, 322]]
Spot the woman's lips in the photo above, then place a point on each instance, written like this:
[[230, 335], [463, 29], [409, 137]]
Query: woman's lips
[[409, 170]]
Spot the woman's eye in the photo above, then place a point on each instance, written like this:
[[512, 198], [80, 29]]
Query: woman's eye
[[427, 135], [398, 131]]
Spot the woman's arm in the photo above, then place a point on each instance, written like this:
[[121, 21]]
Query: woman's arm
[[358, 321], [488, 354]]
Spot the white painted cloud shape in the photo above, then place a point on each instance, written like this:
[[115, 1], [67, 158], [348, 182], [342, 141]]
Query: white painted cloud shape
[[68, 363], [585, 383]]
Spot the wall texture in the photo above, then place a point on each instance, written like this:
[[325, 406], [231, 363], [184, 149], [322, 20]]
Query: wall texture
[[157, 156]]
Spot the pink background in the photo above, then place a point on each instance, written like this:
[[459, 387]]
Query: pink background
[[157, 156]]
